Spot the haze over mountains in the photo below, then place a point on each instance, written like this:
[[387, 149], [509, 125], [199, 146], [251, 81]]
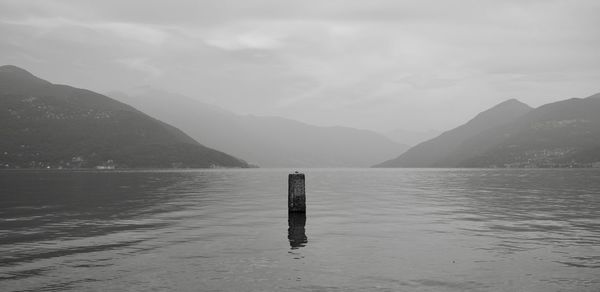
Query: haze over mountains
[[265, 141], [411, 138], [45, 125], [512, 134]]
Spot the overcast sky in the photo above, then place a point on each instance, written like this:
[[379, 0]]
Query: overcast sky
[[369, 64]]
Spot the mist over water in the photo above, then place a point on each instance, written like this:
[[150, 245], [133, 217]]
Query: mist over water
[[365, 230]]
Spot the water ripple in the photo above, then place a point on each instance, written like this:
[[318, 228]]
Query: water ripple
[[379, 230]]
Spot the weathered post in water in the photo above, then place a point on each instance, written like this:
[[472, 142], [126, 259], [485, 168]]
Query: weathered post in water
[[296, 193]]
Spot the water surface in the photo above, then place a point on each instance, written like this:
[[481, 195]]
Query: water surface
[[365, 230]]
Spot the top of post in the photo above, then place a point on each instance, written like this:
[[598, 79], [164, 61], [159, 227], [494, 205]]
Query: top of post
[[296, 174]]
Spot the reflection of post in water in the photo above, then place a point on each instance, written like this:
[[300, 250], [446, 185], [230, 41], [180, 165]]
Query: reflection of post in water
[[296, 231]]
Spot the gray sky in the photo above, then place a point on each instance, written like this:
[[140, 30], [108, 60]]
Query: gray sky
[[368, 64]]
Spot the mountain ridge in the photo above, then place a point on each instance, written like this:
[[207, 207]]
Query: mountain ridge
[[432, 152], [266, 140], [556, 134], [52, 125], [565, 133]]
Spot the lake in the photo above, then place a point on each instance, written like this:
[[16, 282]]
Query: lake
[[364, 230]]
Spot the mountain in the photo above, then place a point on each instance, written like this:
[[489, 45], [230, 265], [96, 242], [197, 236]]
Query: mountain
[[559, 134], [447, 149], [266, 141], [48, 125], [597, 95], [412, 138]]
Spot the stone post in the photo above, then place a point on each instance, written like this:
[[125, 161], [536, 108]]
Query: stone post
[[296, 193]]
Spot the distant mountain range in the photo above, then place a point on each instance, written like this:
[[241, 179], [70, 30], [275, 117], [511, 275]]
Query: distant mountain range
[[512, 134], [266, 141], [45, 125]]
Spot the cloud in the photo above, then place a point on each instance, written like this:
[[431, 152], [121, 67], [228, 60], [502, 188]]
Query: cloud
[[142, 65], [126, 31], [240, 39], [370, 64]]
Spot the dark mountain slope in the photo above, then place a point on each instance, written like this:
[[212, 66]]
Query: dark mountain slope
[[442, 150], [48, 125], [564, 133]]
